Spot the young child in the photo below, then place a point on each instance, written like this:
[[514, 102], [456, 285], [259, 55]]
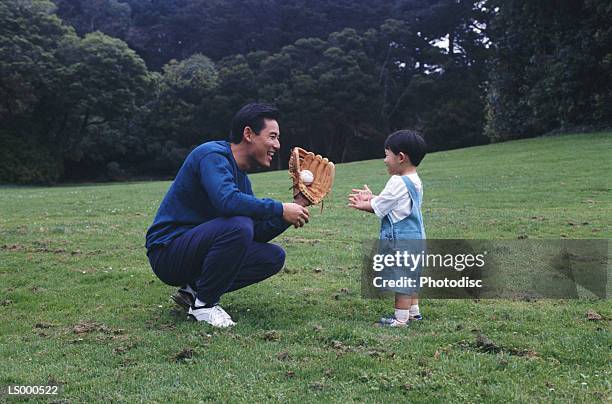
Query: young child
[[399, 208]]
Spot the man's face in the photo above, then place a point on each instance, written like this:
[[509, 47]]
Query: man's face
[[265, 145]]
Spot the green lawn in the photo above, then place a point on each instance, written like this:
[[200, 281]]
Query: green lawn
[[80, 306]]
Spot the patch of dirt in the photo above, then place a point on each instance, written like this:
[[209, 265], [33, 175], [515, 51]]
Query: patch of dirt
[[42, 246], [183, 355], [302, 240], [94, 252], [592, 315], [85, 327], [156, 324], [12, 247], [44, 325], [272, 335], [484, 344], [340, 348], [283, 356], [120, 350], [53, 381]]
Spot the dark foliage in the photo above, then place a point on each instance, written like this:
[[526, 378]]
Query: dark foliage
[[552, 67], [78, 101]]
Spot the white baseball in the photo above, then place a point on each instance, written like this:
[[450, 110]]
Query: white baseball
[[306, 177]]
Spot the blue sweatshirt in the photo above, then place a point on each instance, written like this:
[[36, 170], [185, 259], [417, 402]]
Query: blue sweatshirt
[[210, 185]]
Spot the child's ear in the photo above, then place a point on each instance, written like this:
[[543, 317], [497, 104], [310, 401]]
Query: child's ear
[[404, 158]]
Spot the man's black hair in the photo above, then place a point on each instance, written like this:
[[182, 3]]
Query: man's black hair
[[408, 141], [251, 115]]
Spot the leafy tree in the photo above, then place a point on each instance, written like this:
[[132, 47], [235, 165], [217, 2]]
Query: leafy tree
[[63, 93], [112, 17], [343, 74], [176, 29], [191, 78], [176, 116], [31, 79], [107, 81], [29, 34], [551, 69]]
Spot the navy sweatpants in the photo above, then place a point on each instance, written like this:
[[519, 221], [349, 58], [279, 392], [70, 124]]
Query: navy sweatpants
[[217, 257]]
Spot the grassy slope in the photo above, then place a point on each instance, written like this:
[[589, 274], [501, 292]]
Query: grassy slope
[[73, 255]]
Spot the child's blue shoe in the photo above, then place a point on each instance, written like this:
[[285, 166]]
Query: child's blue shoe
[[387, 319], [391, 317], [394, 323], [391, 321]]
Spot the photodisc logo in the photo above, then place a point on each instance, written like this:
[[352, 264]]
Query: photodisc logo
[[457, 269]]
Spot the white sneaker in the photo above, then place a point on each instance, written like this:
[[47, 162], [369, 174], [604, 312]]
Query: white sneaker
[[215, 316], [391, 321]]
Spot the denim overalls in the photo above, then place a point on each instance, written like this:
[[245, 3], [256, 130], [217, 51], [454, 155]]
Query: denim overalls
[[409, 228]]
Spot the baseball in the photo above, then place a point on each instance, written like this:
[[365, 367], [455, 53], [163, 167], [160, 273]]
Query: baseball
[[306, 177]]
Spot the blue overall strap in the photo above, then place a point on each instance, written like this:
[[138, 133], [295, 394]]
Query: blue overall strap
[[417, 199], [415, 195]]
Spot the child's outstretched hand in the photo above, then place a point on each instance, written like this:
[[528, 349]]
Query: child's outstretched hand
[[360, 199], [365, 192]]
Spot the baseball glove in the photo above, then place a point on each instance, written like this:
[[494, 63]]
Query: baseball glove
[[322, 169]]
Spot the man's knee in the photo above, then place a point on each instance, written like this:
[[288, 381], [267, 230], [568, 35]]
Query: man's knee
[[241, 226], [278, 257]]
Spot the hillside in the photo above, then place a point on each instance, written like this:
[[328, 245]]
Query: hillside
[[79, 305]]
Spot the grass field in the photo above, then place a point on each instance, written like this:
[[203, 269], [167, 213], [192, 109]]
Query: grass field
[[80, 306]]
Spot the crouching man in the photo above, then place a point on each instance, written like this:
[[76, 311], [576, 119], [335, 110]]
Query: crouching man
[[211, 234]]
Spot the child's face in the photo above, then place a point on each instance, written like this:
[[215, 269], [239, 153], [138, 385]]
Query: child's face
[[393, 162]]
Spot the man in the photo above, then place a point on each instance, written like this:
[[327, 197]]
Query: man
[[210, 234]]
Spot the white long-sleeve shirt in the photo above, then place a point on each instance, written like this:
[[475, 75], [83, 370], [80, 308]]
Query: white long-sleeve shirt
[[394, 199]]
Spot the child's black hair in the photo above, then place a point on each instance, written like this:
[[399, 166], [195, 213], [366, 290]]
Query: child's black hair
[[408, 141]]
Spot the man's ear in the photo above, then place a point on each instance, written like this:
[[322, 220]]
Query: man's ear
[[402, 157], [247, 134]]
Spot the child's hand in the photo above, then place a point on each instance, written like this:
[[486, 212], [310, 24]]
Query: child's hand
[[365, 193], [361, 201]]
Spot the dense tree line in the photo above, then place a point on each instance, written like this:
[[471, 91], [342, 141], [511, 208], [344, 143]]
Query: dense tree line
[[111, 89], [161, 30], [552, 68], [62, 95]]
